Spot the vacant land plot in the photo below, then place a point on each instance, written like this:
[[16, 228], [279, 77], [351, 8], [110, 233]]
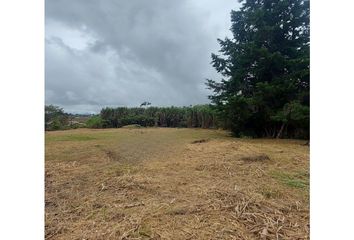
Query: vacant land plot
[[160, 183]]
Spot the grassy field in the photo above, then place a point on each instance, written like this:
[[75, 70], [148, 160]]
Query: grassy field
[[160, 183]]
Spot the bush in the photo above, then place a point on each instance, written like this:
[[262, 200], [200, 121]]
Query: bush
[[137, 119], [55, 125], [95, 122]]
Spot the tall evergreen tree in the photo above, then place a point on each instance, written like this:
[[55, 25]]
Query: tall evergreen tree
[[265, 69]]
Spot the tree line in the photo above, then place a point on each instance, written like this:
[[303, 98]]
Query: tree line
[[199, 116]]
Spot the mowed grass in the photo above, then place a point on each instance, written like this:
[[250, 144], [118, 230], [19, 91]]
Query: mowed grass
[[163, 183]]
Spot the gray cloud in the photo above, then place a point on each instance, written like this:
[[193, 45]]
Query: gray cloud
[[121, 53]]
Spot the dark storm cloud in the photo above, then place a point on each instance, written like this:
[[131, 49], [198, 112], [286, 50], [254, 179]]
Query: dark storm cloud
[[121, 53]]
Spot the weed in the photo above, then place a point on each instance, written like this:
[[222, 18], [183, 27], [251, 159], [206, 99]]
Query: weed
[[296, 180]]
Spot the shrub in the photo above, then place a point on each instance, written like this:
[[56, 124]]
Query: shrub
[[95, 122]]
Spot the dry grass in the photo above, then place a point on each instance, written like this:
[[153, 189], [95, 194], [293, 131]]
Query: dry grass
[[155, 184]]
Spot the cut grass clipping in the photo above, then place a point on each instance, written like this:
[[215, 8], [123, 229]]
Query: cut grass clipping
[[109, 184]]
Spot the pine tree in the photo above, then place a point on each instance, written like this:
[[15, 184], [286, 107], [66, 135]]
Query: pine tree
[[265, 69]]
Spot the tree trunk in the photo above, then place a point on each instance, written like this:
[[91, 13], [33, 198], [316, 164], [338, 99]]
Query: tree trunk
[[281, 130], [266, 132], [274, 131]]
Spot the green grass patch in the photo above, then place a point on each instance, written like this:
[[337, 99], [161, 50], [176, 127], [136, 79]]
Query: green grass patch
[[296, 180]]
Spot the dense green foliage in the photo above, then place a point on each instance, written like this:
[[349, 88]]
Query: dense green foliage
[[200, 116], [265, 89], [94, 122], [55, 118]]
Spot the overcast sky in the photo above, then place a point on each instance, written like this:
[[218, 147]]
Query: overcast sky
[[121, 53]]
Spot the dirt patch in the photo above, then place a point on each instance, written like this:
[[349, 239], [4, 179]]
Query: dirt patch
[[256, 158], [113, 156], [200, 141]]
